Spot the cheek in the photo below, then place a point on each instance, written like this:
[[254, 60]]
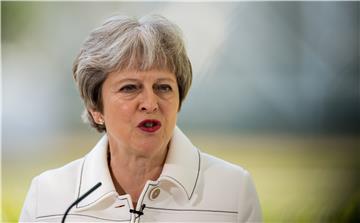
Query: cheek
[[126, 107], [120, 109], [172, 110]]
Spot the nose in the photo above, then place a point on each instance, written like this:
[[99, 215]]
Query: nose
[[149, 101]]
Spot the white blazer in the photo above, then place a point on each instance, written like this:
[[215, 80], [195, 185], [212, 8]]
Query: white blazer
[[193, 187]]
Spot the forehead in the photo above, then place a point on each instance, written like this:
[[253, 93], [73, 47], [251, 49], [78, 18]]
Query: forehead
[[141, 75]]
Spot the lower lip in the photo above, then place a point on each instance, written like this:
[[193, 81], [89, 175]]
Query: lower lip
[[152, 129]]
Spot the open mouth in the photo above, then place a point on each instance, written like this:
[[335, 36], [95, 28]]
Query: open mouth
[[150, 125]]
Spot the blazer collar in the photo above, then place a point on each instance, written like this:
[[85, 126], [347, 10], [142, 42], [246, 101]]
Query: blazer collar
[[182, 167], [95, 169]]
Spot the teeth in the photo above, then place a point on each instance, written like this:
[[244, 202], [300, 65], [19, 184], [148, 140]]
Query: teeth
[[149, 124]]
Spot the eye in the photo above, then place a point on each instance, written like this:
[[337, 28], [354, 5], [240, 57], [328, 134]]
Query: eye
[[129, 88], [163, 88]]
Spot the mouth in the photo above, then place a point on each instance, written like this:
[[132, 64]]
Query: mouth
[[150, 125]]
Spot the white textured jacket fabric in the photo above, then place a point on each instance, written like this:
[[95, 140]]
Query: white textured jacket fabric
[[193, 187]]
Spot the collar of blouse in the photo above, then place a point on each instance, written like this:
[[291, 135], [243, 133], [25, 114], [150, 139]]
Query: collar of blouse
[[181, 168]]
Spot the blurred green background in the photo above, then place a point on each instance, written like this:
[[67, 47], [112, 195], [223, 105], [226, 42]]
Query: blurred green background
[[275, 90]]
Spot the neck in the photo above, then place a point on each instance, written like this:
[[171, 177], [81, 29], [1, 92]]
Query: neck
[[130, 172]]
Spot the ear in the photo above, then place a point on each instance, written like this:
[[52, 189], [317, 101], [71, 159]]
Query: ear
[[97, 116]]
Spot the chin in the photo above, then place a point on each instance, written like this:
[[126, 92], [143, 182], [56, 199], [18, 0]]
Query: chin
[[151, 143], [149, 146]]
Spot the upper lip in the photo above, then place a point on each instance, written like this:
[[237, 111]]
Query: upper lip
[[155, 121]]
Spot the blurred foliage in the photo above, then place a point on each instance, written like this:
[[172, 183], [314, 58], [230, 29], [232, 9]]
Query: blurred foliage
[[15, 17], [349, 210]]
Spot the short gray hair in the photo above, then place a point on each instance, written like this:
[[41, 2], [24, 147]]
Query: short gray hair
[[125, 43]]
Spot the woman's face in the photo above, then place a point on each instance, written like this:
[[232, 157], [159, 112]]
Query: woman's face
[[140, 109]]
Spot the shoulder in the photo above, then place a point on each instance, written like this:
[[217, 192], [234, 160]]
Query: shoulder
[[57, 182], [68, 172], [53, 190], [221, 180], [228, 180], [221, 168]]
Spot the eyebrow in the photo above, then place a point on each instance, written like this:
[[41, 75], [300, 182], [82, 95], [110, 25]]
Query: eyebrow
[[166, 79], [126, 79], [137, 80]]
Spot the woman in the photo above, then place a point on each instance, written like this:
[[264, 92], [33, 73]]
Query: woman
[[133, 76]]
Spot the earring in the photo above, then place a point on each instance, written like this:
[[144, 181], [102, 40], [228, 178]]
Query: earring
[[101, 121]]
